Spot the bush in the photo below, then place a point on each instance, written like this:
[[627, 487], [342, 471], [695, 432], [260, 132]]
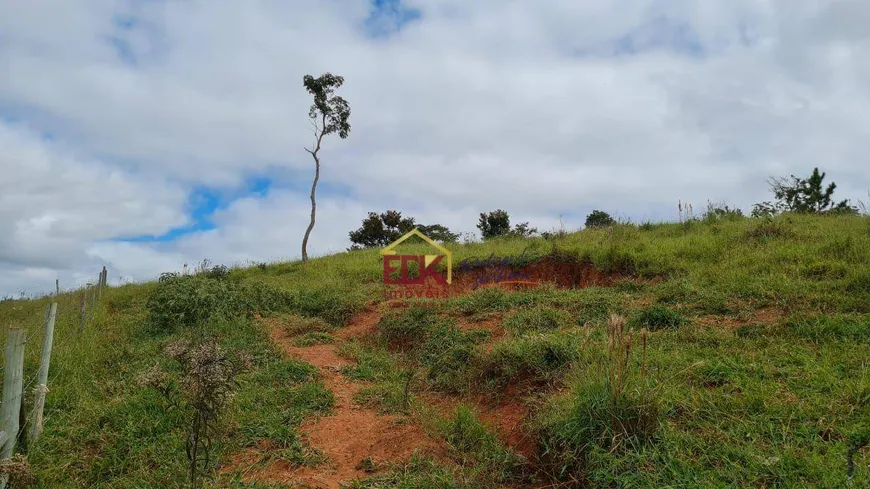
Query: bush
[[218, 272], [189, 301], [597, 219]]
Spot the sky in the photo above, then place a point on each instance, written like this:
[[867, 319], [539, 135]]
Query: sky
[[144, 134]]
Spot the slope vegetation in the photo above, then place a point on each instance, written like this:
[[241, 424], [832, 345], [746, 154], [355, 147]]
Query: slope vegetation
[[731, 353]]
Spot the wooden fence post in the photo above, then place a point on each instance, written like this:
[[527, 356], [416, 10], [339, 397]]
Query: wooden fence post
[[56, 286], [105, 276], [99, 287], [12, 384], [42, 375]]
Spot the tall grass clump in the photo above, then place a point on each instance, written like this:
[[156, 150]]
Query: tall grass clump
[[475, 446], [612, 409], [533, 357]]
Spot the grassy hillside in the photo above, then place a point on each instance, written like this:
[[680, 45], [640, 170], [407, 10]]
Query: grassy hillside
[[753, 370]]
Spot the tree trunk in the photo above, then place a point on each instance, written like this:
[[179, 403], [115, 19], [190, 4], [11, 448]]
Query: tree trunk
[[313, 207], [322, 132]]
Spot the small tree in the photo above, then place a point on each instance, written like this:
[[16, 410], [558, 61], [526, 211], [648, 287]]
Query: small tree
[[805, 196], [498, 223], [597, 219], [495, 223], [379, 230], [329, 114], [523, 230], [439, 233]]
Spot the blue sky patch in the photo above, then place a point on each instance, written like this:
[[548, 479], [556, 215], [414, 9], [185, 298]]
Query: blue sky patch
[[202, 203], [388, 17]]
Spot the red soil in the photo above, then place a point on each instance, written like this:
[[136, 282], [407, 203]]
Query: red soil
[[353, 433], [347, 436]]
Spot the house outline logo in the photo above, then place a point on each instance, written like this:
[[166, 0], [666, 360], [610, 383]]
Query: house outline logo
[[390, 251]]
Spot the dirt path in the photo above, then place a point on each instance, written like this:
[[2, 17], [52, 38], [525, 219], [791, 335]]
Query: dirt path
[[351, 433]]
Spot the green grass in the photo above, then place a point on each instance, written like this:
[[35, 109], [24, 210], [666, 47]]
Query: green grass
[[777, 396]]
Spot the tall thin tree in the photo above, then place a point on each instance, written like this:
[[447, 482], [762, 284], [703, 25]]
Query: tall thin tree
[[329, 114]]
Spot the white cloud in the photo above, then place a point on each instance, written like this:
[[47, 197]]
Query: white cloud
[[475, 106]]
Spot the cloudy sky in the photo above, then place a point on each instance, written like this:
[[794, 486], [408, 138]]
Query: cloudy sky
[[143, 134]]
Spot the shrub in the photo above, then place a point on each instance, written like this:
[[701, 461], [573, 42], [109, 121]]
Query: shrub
[[597, 219], [768, 229], [189, 301], [265, 299], [218, 272], [765, 210]]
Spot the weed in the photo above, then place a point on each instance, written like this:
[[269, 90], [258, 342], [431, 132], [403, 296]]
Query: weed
[[202, 391], [408, 328], [418, 473], [713, 374]]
